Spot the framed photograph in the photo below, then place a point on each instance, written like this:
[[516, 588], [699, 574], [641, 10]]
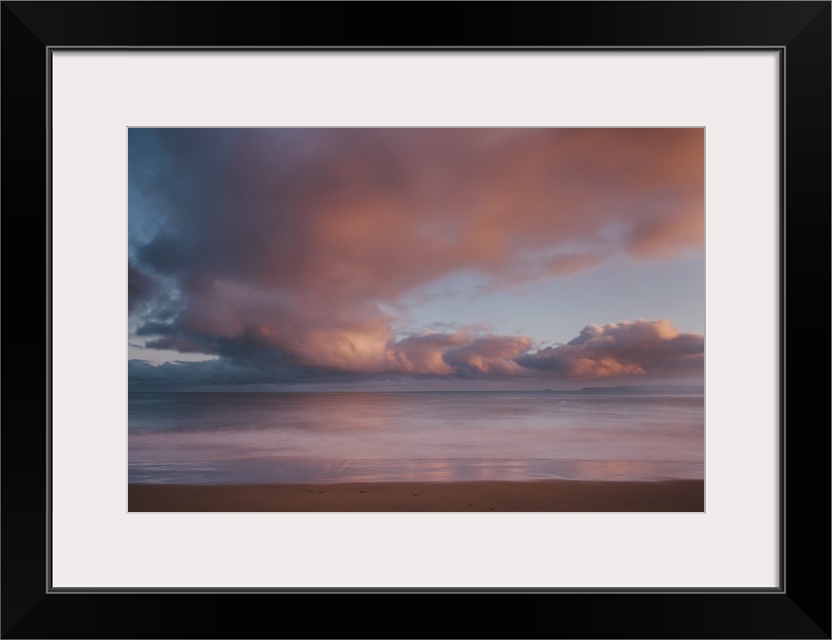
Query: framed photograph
[[419, 251]]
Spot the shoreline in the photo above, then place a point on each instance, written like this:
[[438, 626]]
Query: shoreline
[[474, 496]]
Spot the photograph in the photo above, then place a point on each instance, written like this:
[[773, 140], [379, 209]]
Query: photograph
[[416, 319]]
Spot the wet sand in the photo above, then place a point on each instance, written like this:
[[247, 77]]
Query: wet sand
[[542, 495]]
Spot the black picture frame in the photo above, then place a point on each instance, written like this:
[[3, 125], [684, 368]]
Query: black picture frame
[[798, 31]]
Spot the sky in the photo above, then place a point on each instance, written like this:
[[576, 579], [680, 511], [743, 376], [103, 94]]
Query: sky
[[415, 259]]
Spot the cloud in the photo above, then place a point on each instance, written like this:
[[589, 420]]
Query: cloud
[[294, 245], [637, 348], [456, 353], [179, 344], [140, 288], [424, 353], [489, 354], [144, 375], [650, 350]]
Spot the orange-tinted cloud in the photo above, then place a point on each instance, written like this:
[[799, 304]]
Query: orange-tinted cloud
[[460, 352], [293, 241], [626, 348], [649, 350]]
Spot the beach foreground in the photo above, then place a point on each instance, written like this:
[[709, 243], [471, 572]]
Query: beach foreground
[[542, 495]]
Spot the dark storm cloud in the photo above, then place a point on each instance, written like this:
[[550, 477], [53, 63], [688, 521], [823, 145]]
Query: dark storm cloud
[[143, 375], [140, 288]]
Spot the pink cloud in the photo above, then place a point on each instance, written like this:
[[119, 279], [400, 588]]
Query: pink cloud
[[623, 349], [294, 241], [352, 213], [460, 352]]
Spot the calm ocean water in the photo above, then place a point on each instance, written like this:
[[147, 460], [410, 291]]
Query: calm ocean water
[[205, 438]]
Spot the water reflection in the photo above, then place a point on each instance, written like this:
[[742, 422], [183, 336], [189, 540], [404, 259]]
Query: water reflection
[[448, 470], [334, 437]]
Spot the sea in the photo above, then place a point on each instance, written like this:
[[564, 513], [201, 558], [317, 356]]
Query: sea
[[332, 437]]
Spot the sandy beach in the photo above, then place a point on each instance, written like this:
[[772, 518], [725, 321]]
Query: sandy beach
[[543, 495]]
